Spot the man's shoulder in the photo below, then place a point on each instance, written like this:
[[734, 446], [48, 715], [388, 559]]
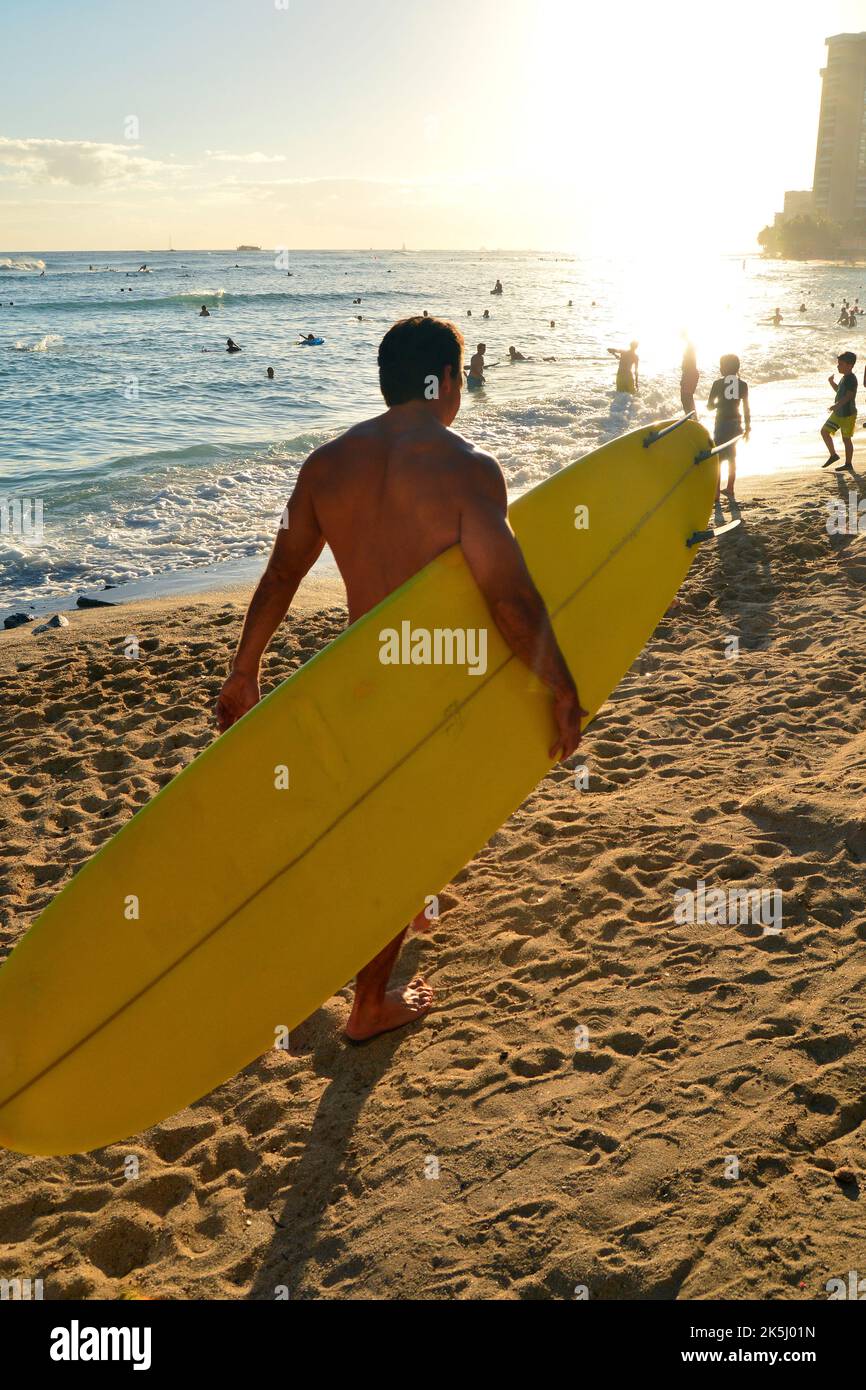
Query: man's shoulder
[[470, 455], [336, 449]]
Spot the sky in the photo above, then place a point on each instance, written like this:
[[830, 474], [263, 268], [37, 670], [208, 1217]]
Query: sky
[[641, 126]]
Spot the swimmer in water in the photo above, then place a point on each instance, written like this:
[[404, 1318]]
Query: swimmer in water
[[231, 345], [486, 314], [204, 312], [515, 356], [627, 371], [777, 318], [497, 288], [270, 373], [308, 337]]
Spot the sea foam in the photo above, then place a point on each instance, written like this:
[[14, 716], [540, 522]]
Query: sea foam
[[45, 344]]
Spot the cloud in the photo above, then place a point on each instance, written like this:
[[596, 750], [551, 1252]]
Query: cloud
[[256, 157], [79, 162]]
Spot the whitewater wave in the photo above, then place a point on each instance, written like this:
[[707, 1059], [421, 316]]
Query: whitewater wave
[[25, 263], [222, 297], [46, 344]]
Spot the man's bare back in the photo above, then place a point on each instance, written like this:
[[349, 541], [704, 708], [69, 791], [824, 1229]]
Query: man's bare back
[[388, 496]]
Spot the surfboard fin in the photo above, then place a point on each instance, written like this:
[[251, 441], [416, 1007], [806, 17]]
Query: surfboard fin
[[655, 435], [712, 534], [719, 449]]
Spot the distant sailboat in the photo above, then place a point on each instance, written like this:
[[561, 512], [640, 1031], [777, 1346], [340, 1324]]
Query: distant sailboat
[[170, 247]]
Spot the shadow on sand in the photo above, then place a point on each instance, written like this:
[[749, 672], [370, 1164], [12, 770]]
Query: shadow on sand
[[328, 1164]]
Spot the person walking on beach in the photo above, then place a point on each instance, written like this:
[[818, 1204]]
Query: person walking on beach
[[729, 394], [627, 371], [388, 496], [843, 413], [689, 379]]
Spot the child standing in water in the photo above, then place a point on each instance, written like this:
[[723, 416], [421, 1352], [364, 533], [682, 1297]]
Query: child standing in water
[[729, 395]]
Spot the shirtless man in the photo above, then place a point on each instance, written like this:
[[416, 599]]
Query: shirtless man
[[475, 377], [388, 496]]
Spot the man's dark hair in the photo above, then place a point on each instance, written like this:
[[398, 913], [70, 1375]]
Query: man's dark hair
[[730, 364], [849, 357], [413, 351]]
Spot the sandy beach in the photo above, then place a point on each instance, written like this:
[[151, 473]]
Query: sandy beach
[[701, 1138]]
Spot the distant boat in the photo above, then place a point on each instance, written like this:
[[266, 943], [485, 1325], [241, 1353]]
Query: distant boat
[[170, 247], [248, 248]]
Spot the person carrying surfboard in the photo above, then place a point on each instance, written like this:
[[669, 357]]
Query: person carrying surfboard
[[388, 496]]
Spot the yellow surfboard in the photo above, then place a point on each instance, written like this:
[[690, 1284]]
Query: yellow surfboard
[[262, 878]]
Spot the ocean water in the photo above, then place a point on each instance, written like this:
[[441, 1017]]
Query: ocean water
[[148, 449]]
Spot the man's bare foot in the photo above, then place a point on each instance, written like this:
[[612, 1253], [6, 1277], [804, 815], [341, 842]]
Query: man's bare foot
[[399, 1007]]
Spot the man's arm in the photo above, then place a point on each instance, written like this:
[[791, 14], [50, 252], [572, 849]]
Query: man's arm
[[298, 545], [747, 410], [518, 610]]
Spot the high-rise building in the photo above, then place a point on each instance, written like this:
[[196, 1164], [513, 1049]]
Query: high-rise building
[[798, 203], [840, 161]]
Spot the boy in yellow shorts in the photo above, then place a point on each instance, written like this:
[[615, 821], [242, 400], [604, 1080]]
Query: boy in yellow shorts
[[843, 416]]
